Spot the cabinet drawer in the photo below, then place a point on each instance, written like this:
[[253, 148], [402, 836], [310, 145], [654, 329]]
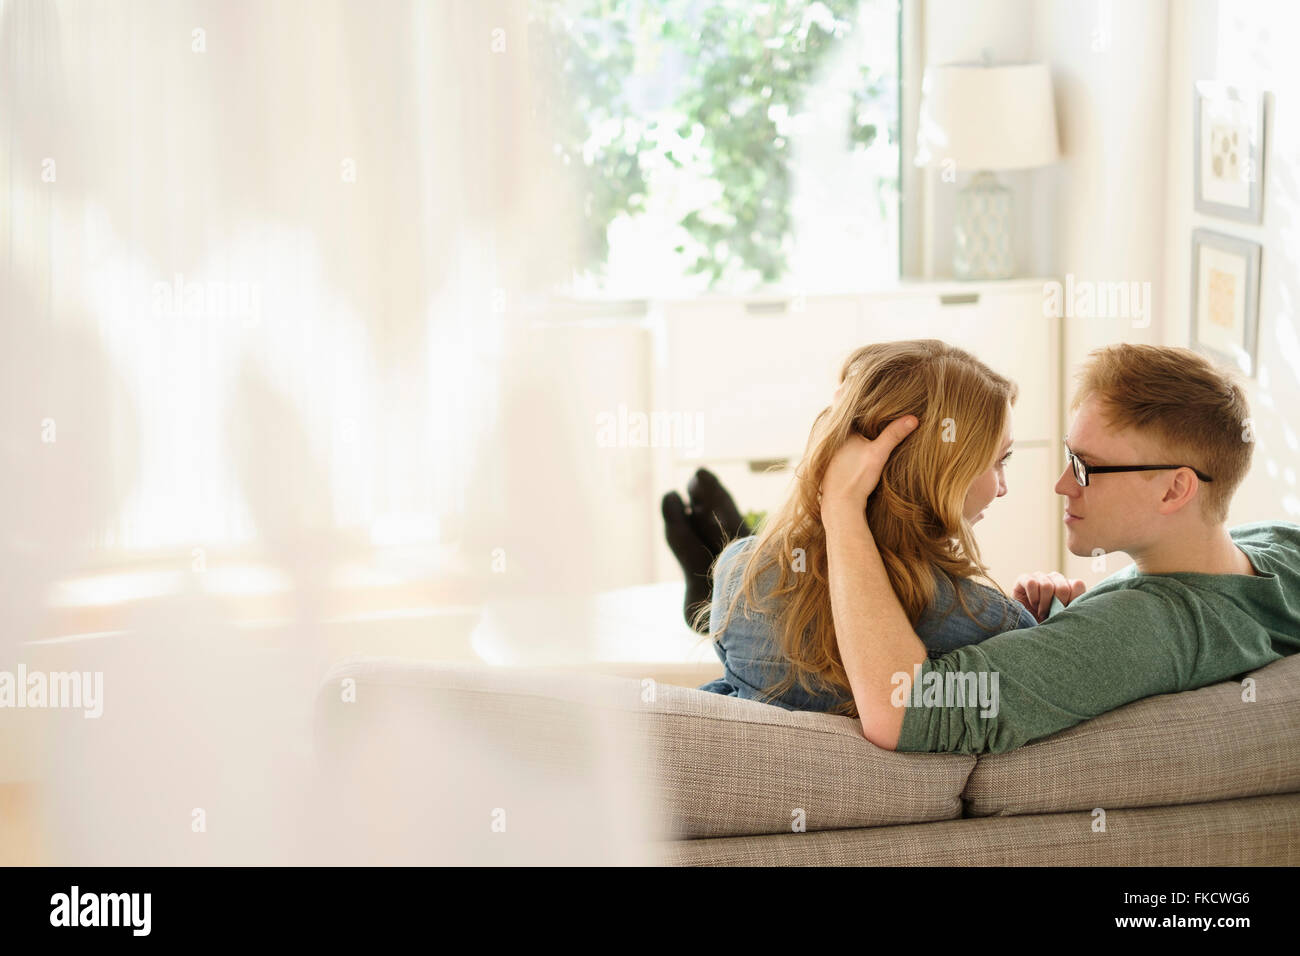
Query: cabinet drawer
[[757, 372], [1006, 331]]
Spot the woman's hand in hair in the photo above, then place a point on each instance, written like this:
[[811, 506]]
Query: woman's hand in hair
[[856, 467], [1036, 590]]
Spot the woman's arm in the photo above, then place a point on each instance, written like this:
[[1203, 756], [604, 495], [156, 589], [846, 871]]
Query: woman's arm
[[875, 636]]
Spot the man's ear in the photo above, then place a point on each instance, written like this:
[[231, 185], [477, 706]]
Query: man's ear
[[1180, 490]]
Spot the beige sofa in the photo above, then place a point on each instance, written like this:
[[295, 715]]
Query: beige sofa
[[1198, 778]]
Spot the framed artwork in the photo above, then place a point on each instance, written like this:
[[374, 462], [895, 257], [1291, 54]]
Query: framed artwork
[[1225, 298], [1228, 142]]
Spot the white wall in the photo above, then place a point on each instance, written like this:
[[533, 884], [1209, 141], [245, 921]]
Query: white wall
[[1102, 207], [1098, 214], [1245, 43]]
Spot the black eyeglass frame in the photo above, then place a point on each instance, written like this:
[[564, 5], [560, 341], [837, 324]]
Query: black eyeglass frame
[[1082, 470]]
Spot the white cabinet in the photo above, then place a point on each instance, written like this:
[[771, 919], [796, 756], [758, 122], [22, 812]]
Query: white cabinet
[[758, 371]]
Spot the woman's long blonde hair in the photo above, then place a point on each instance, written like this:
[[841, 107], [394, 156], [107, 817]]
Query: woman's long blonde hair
[[915, 513]]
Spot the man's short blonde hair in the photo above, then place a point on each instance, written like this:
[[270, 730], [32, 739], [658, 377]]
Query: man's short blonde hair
[[1195, 410]]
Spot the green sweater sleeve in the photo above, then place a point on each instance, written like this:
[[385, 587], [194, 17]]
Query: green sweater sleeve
[[1105, 650]]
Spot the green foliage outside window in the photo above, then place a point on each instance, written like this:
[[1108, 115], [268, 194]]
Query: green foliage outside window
[[749, 65]]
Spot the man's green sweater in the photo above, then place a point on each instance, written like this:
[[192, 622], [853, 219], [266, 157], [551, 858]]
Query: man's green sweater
[[1132, 636]]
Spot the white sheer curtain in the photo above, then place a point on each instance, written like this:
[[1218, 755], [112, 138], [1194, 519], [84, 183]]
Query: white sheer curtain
[[261, 266], [321, 207]]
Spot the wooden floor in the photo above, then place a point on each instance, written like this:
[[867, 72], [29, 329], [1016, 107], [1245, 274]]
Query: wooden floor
[[19, 842]]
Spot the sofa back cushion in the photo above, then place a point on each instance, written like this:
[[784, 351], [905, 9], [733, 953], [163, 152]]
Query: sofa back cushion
[[731, 767], [1214, 743]]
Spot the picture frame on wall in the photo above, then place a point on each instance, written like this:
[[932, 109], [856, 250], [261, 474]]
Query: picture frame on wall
[[1229, 126], [1225, 298]]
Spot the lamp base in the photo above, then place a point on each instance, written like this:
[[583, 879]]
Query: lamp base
[[983, 231]]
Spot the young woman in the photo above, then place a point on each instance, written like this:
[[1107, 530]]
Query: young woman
[[770, 612]]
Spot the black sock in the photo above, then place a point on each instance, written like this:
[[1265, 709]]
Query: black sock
[[698, 533], [692, 554], [713, 512]]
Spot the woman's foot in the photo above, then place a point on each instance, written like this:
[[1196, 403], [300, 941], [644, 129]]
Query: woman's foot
[[691, 553], [714, 512], [698, 533]]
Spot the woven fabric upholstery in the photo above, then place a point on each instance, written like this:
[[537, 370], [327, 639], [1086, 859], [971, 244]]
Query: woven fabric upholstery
[[732, 767], [1257, 831], [1191, 747], [1198, 778]]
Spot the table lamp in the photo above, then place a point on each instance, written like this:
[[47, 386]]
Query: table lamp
[[980, 119]]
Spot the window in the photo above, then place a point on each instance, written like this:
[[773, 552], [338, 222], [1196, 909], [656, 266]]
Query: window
[[727, 145]]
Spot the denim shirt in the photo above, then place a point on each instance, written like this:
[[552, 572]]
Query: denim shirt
[[750, 648]]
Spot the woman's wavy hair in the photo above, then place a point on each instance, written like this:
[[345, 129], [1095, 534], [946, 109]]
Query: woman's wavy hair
[[915, 513]]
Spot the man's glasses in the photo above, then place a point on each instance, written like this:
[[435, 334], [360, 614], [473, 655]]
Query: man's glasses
[[1082, 471]]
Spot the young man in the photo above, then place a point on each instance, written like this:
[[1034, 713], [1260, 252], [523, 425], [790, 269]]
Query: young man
[[1159, 442]]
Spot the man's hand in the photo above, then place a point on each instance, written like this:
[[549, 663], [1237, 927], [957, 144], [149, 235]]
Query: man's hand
[[874, 634], [856, 467], [1036, 590]]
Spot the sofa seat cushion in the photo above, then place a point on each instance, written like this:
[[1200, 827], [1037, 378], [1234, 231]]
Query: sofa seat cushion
[[1192, 747], [733, 767]]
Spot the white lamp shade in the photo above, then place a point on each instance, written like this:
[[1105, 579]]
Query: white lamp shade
[[987, 117]]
